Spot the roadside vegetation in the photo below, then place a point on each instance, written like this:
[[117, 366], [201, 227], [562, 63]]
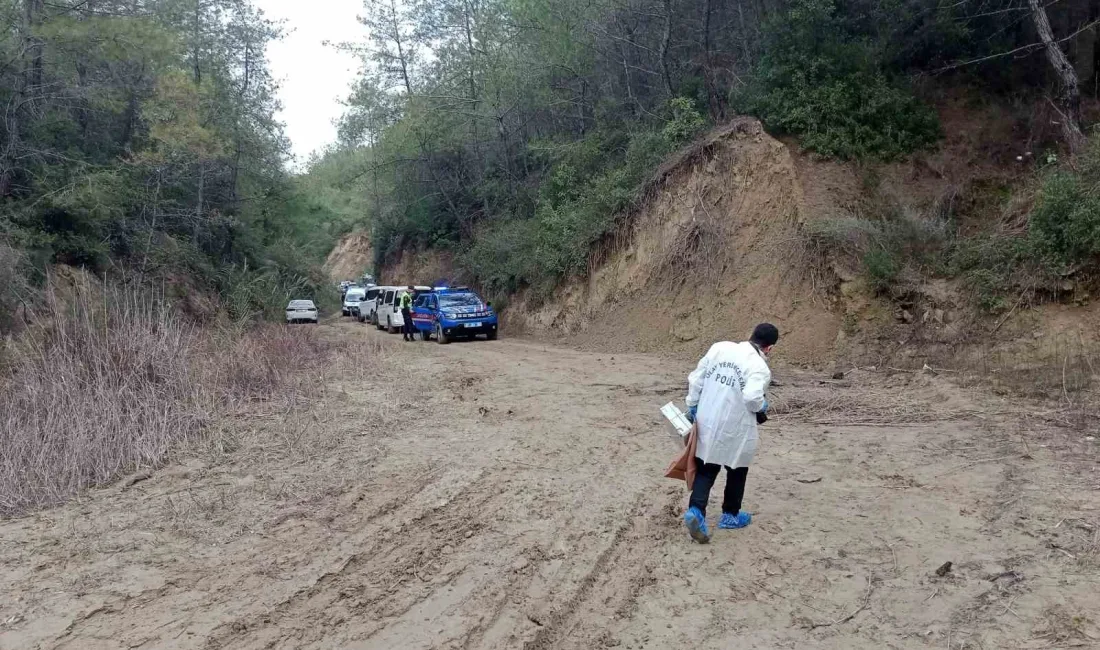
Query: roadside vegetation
[[139, 142], [1048, 250], [115, 380], [148, 227]]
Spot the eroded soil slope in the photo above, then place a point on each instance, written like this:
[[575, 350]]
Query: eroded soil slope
[[713, 249], [351, 258]]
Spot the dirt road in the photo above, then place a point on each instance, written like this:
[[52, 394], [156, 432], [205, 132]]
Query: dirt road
[[509, 495]]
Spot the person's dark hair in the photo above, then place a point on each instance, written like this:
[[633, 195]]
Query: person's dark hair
[[765, 334]]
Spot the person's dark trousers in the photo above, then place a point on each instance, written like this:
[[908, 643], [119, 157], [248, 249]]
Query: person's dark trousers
[[706, 474], [407, 330]]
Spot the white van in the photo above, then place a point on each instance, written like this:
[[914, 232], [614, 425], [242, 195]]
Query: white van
[[381, 307], [367, 305], [389, 308], [352, 299]]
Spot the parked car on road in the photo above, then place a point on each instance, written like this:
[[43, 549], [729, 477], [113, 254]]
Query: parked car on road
[[301, 311], [352, 299], [368, 305], [381, 307], [389, 308], [453, 313]]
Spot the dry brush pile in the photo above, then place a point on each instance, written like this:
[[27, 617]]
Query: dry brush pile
[[113, 382]]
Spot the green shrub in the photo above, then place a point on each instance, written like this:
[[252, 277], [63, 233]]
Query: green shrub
[[995, 267], [1063, 237], [685, 122], [887, 246], [504, 256], [883, 267], [820, 81], [1066, 218]]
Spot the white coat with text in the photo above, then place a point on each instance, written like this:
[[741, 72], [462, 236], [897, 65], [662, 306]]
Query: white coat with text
[[728, 387]]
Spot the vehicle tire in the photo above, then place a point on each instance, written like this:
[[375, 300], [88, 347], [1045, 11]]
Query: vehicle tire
[[440, 337], [491, 336], [389, 326]]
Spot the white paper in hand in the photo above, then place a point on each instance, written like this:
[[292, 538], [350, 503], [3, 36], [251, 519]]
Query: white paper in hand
[[678, 424]]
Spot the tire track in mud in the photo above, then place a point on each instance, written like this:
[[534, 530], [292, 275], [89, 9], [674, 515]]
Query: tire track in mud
[[611, 585], [475, 636], [76, 633], [505, 600], [364, 583]]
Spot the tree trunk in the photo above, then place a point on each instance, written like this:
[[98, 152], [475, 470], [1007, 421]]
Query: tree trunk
[[744, 32], [714, 102], [21, 105], [196, 61], [234, 193], [83, 106], [7, 172], [1069, 98], [397, 39], [131, 114], [200, 200], [475, 99], [666, 38], [34, 44]]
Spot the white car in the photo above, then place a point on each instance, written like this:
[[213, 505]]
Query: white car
[[368, 304], [352, 298], [301, 311], [389, 308]]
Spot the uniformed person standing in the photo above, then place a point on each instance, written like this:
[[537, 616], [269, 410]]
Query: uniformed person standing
[[407, 330]]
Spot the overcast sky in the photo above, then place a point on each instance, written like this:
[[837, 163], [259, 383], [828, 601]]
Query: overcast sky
[[313, 77]]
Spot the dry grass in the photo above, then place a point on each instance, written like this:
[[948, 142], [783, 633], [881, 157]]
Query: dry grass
[[858, 401], [111, 383]]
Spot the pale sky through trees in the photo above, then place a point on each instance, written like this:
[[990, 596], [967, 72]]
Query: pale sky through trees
[[313, 77]]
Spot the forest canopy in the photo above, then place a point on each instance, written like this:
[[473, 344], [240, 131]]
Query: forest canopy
[[139, 138]]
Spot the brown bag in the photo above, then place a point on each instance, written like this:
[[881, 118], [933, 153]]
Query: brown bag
[[683, 466]]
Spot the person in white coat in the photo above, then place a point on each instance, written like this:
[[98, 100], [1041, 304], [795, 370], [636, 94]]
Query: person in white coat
[[726, 396]]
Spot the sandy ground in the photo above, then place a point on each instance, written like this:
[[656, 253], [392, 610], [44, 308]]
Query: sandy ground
[[510, 495]]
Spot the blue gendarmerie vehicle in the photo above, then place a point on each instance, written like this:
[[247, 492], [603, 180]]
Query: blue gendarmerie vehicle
[[448, 313]]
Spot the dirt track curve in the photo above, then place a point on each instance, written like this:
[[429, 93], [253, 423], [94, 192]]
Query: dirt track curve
[[509, 495]]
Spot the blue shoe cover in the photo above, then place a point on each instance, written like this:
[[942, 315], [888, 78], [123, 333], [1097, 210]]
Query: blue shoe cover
[[697, 525], [731, 521]]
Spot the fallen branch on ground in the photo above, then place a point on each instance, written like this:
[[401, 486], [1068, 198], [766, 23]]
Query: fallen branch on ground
[[863, 605]]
